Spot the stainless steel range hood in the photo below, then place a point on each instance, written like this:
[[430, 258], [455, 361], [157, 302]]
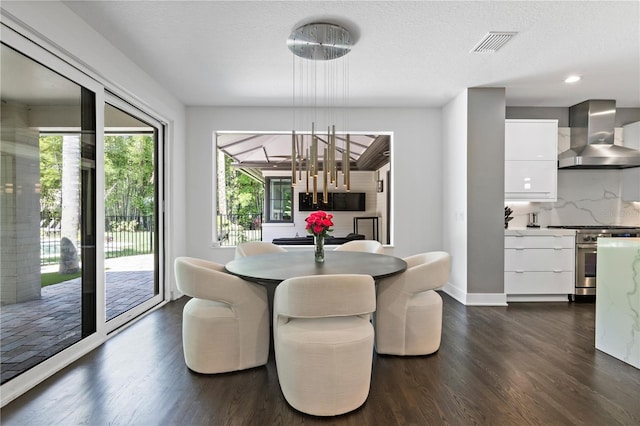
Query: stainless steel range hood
[[592, 125]]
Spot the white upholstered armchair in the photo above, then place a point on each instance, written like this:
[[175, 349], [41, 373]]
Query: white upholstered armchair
[[369, 246], [251, 248], [323, 341], [225, 326], [408, 319]]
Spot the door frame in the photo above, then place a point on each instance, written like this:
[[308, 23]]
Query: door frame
[[159, 276]]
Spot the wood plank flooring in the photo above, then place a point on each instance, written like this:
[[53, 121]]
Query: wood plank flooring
[[525, 364]]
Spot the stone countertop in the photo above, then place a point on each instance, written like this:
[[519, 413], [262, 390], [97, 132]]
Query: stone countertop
[[618, 299], [539, 231]]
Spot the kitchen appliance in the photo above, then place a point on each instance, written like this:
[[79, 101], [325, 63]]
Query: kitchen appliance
[[587, 251], [592, 125], [533, 221]]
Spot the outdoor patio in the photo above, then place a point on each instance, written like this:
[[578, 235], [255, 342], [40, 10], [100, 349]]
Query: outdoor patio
[[33, 331]]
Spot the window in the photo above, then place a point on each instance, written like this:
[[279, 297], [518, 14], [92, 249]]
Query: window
[[279, 199]]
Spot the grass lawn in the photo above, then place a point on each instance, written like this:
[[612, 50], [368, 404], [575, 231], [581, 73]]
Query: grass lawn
[[50, 278]]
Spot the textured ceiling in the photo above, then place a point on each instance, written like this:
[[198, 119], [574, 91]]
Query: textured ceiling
[[406, 54]]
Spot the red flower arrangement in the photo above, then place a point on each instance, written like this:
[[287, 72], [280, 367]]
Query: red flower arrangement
[[319, 224]]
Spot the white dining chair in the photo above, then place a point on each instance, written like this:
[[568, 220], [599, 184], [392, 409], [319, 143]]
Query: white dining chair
[[225, 326], [408, 320], [369, 246], [323, 341], [252, 248]]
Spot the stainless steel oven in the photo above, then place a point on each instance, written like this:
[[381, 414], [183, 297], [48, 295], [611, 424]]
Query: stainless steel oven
[[586, 259], [587, 253]]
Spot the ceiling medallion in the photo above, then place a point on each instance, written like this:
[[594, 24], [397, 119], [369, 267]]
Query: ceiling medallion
[[320, 41]]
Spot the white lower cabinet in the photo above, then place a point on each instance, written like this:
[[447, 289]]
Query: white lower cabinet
[[539, 265], [538, 282]]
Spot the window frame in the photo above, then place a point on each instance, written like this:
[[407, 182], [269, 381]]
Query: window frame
[[268, 199]]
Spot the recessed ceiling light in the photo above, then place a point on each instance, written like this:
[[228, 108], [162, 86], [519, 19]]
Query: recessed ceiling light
[[572, 79]]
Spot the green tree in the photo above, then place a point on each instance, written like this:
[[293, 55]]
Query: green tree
[[50, 175], [129, 175], [244, 194]]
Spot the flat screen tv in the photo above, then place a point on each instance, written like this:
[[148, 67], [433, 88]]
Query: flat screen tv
[[337, 202]]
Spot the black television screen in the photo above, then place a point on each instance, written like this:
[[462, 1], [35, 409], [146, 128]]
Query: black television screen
[[337, 201]]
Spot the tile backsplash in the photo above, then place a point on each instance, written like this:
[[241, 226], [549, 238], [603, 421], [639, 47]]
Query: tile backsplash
[[585, 197]]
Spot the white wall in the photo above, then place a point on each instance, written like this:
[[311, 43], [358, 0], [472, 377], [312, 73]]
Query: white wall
[[416, 170], [454, 182]]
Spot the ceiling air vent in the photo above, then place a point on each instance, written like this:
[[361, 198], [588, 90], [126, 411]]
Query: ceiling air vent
[[493, 41]]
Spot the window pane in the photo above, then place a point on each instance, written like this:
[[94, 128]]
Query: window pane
[[279, 199]]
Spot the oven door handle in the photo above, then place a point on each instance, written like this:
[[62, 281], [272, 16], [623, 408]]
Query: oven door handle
[[586, 246]]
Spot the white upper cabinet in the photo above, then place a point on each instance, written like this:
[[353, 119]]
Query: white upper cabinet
[[530, 181], [531, 168], [531, 140]]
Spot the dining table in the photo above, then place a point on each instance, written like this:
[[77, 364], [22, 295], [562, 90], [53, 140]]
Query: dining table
[[273, 268]]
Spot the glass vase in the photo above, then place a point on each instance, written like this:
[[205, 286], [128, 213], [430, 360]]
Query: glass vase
[[318, 243]]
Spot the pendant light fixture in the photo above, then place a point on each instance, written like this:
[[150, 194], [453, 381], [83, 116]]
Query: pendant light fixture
[[320, 86]]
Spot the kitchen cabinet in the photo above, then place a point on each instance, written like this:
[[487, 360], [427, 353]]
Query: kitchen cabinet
[[631, 177], [539, 265], [531, 168]]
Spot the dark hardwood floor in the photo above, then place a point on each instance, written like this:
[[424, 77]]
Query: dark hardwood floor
[[525, 364]]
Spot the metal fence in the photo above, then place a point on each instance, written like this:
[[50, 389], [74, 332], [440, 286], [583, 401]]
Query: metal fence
[[234, 229], [124, 236], [49, 240], [128, 235]]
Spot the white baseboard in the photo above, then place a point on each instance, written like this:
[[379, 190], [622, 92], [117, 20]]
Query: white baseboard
[[538, 298], [475, 299], [486, 299], [455, 292]]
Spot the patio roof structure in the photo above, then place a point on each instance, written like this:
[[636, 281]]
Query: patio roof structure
[[272, 151]]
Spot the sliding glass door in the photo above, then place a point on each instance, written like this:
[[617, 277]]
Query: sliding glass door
[[132, 253], [81, 224], [47, 213]]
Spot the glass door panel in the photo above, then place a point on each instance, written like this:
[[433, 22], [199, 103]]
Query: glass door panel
[[132, 234], [47, 213]]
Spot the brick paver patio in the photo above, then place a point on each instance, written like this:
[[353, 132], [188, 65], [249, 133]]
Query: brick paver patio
[[35, 330]]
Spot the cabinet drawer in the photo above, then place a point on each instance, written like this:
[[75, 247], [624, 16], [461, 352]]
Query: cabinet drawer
[[542, 241], [548, 260], [539, 282]]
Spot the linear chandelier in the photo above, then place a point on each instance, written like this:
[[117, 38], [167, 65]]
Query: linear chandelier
[[320, 86]]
